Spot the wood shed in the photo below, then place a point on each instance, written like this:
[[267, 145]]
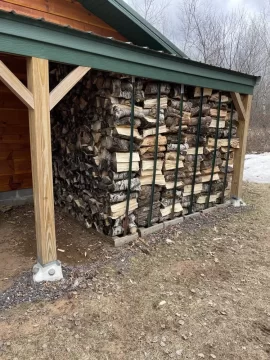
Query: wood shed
[[103, 116]]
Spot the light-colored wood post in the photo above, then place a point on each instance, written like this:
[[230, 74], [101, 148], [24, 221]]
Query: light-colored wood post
[[41, 155], [243, 106]]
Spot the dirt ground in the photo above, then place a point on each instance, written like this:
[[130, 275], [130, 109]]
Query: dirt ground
[[200, 290]]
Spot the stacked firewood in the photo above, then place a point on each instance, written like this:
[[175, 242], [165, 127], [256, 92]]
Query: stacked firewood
[[91, 129], [148, 131]]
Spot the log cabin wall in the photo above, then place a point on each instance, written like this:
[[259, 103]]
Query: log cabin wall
[[61, 12], [15, 159]]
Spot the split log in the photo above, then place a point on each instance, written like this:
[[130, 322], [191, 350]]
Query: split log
[[119, 209], [149, 103], [188, 189], [203, 199], [214, 113], [152, 131], [151, 149], [206, 92], [224, 143], [207, 178], [215, 98], [114, 144], [152, 88], [168, 210], [151, 140], [148, 180]]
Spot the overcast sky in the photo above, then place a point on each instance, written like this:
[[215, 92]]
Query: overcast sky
[[251, 4]]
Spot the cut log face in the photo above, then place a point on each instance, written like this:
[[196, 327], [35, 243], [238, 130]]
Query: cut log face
[[207, 178], [148, 180], [224, 143], [206, 92], [151, 140], [171, 164], [125, 132], [119, 209], [203, 199], [168, 210], [91, 133], [192, 151], [214, 113], [149, 165], [188, 189], [152, 131], [222, 124]]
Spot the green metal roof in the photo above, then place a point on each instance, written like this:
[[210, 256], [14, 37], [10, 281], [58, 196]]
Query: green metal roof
[[130, 24], [29, 37]]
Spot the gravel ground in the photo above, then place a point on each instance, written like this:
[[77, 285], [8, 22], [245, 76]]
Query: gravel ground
[[199, 290]]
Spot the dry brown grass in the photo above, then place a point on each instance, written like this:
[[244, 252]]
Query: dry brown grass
[[214, 279]]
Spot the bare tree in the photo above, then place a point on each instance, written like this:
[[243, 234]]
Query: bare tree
[[234, 40], [237, 39], [154, 11]]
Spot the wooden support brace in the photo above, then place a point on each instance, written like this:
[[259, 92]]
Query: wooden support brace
[[66, 85], [238, 103], [244, 110], [41, 155], [16, 86]]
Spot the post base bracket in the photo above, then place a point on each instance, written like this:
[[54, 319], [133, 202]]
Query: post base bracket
[[48, 272], [237, 202]]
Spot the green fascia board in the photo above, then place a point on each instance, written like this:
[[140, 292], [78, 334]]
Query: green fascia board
[[28, 37], [130, 24]]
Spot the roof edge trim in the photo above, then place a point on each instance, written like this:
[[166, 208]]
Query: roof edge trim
[[121, 8], [27, 37]]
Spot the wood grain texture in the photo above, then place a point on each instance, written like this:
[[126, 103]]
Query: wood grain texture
[[14, 131], [239, 154], [41, 154], [62, 12], [16, 86], [239, 106], [66, 85]]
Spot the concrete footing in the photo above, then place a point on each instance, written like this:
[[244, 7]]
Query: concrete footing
[[190, 216], [213, 208], [237, 202], [49, 272], [120, 241], [159, 227], [16, 197], [173, 222], [153, 229]]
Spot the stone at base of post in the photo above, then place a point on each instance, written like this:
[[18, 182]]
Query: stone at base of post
[[48, 272], [237, 202]]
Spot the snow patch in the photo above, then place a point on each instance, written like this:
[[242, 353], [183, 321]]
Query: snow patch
[[257, 168]]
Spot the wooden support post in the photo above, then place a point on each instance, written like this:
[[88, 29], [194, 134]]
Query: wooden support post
[[41, 154], [244, 109]]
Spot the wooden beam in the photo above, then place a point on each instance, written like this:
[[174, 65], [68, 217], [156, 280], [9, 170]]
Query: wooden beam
[[66, 85], [239, 154], [239, 106], [16, 86], [41, 155]]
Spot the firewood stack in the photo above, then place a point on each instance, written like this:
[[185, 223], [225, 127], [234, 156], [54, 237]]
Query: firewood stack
[[147, 152], [91, 130]]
